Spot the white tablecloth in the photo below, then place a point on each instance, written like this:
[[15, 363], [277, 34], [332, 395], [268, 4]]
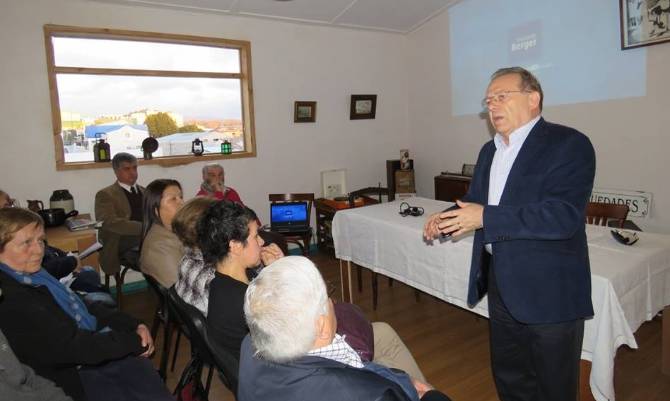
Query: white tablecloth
[[630, 284]]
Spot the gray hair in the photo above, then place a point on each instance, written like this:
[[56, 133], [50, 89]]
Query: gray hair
[[122, 157], [206, 167], [528, 81], [282, 306]]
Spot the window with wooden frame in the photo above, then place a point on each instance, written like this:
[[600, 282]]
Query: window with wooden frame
[[122, 87]]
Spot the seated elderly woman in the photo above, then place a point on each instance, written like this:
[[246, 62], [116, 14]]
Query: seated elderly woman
[[161, 250], [93, 353], [194, 275], [85, 280], [293, 350]]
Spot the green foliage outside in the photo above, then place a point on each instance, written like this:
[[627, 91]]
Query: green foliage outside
[[190, 128], [160, 124]]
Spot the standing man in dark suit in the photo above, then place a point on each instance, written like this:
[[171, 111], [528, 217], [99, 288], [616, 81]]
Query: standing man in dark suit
[[119, 207], [526, 206]]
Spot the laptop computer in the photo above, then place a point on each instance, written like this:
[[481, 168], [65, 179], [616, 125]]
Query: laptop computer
[[289, 217]]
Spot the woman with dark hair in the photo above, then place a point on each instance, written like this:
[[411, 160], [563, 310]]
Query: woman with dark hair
[[161, 250], [229, 241], [92, 352]]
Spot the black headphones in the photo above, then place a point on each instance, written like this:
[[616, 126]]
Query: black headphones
[[407, 210]]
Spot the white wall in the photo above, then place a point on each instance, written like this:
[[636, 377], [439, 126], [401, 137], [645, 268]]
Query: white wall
[[290, 62], [630, 135]]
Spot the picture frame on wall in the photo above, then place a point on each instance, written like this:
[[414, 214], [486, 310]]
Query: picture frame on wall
[[363, 107], [304, 112], [644, 22]]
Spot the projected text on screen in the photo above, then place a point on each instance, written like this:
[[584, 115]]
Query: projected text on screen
[[572, 46]]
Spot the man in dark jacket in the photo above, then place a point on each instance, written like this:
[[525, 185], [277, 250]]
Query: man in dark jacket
[[292, 351]]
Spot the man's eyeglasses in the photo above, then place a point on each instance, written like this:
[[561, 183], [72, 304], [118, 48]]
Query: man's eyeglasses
[[500, 97]]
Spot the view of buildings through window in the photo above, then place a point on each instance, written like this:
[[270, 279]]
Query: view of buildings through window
[[124, 91]]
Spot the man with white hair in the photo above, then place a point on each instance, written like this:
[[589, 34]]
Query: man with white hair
[[293, 349]]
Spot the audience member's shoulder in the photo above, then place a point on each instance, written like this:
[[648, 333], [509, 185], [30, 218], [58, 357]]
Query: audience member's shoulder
[[109, 189]]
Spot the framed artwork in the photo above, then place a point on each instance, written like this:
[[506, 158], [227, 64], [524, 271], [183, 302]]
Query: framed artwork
[[644, 22], [362, 107], [304, 112], [468, 170]]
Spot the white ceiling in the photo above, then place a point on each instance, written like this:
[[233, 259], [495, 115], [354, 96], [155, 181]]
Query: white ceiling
[[400, 16]]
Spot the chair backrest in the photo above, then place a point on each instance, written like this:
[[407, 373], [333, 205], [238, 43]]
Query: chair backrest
[[196, 323], [600, 213], [301, 197], [157, 287], [378, 191]]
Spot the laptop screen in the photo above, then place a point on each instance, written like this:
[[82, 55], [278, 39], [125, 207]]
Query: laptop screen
[[291, 214]]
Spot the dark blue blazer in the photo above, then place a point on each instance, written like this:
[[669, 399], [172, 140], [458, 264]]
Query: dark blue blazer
[[310, 378], [540, 256]]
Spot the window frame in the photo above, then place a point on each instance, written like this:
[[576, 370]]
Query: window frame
[[246, 86]]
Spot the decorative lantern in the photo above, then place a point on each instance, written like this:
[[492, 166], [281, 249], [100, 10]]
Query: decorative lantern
[[226, 147], [149, 146], [101, 151], [197, 148]]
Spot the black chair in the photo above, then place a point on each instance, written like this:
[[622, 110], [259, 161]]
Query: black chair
[[162, 316], [202, 350], [129, 261], [602, 213]]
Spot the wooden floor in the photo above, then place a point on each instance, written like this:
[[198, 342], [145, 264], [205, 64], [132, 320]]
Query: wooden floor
[[449, 343]]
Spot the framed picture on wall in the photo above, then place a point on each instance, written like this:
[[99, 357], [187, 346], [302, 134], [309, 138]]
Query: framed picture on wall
[[304, 112], [644, 22], [362, 107]]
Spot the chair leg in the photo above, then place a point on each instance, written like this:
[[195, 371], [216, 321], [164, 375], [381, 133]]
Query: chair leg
[[165, 355], [156, 322], [176, 349], [390, 282], [185, 377], [359, 274], [374, 291], [209, 380], [118, 278], [307, 239]]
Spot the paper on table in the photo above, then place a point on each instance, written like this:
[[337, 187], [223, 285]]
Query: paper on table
[[88, 251]]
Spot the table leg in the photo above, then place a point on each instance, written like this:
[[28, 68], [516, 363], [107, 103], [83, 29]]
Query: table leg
[[665, 341], [345, 279], [585, 393]]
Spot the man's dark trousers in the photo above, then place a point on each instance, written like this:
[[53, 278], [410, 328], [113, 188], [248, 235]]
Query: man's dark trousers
[[538, 362]]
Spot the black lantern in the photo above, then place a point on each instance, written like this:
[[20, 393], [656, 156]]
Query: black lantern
[[149, 146], [101, 151], [226, 147], [197, 147]]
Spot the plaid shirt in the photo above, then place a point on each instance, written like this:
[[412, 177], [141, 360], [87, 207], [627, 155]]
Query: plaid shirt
[[339, 351], [193, 279]]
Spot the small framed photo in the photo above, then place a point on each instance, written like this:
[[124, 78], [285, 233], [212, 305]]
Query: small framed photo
[[644, 22], [304, 112], [468, 170], [363, 107]]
